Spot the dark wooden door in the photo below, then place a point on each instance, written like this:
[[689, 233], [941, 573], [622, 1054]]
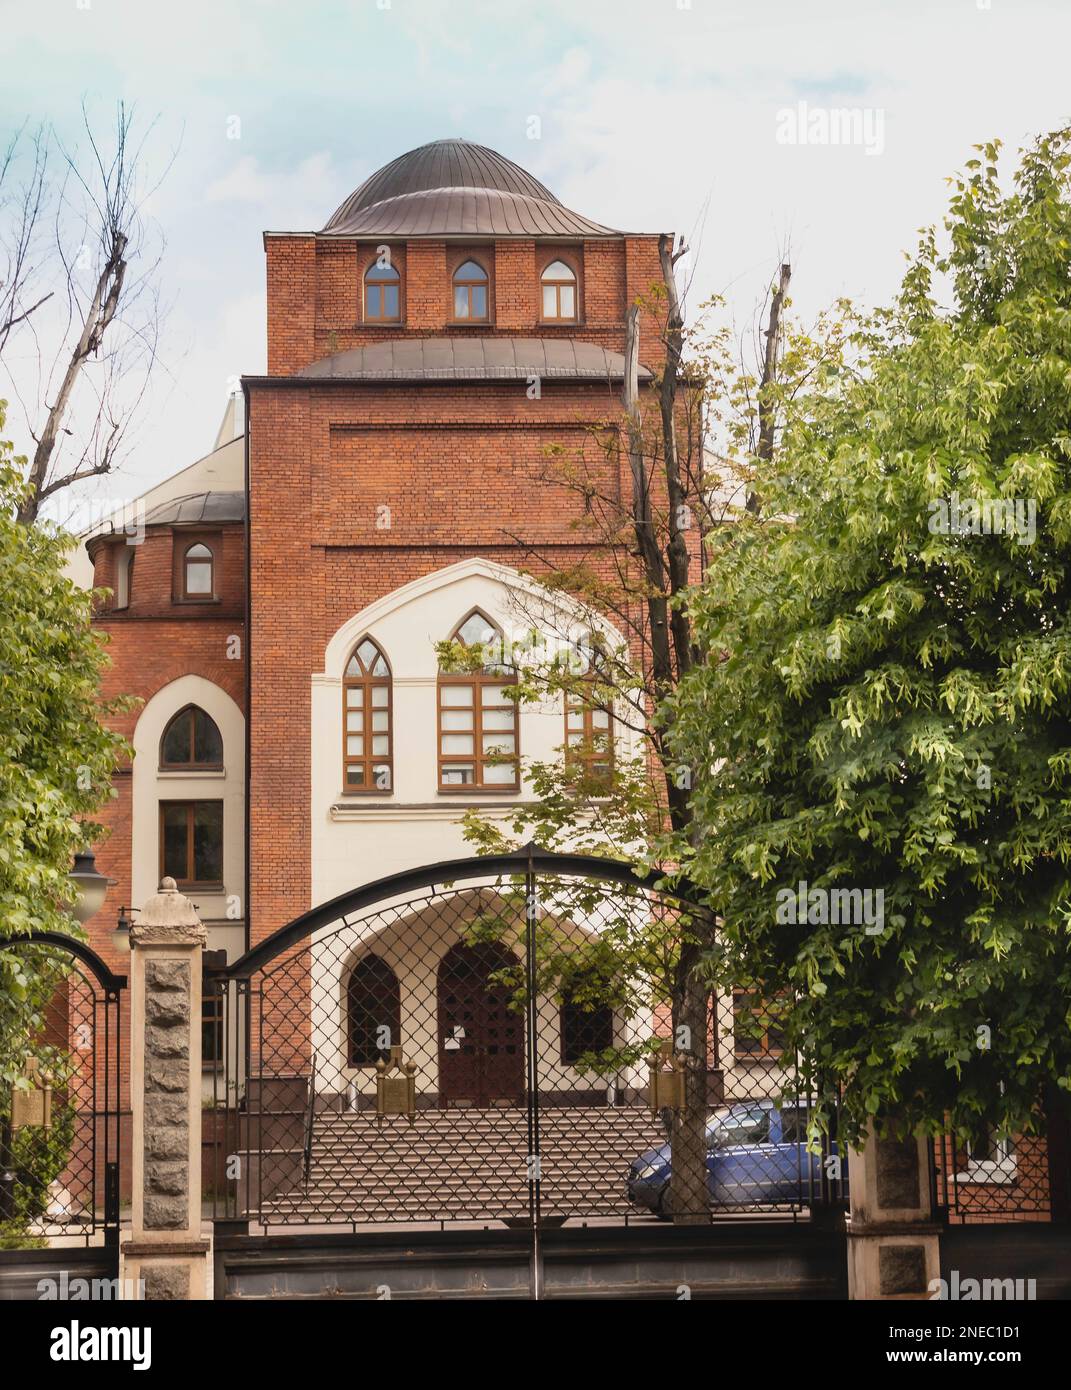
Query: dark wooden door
[[481, 1039]]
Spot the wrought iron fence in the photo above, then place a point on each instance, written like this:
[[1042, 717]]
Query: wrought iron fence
[[60, 1125], [987, 1180], [497, 1040]]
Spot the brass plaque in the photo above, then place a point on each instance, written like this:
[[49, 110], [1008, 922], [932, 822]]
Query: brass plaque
[[395, 1095], [31, 1107], [667, 1090]]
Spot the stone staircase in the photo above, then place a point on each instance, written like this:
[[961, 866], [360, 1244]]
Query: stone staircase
[[466, 1164]]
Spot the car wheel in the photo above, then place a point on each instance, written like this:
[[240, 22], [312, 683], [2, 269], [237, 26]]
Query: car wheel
[[660, 1207]]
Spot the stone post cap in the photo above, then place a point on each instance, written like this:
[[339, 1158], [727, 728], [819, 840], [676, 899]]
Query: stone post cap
[[168, 916]]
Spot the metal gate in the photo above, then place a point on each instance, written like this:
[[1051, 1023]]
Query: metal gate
[[491, 1040], [60, 1141]]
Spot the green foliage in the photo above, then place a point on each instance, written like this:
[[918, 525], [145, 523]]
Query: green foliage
[[56, 765], [575, 811], [56, 758], [889, 707], [38, 1158]]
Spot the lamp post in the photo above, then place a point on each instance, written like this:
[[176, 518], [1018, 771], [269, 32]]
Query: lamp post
[[90, 886], [120, 934]]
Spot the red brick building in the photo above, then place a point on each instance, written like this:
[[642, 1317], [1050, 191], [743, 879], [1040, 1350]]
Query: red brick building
[[450, 323]]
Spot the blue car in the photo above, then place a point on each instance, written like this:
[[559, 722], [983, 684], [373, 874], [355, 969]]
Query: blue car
[[756, 1154]]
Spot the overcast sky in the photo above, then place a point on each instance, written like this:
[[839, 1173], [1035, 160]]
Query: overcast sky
[[652, 115]]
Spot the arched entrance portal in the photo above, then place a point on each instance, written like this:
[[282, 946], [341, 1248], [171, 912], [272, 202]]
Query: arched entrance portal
[[481, 1037]]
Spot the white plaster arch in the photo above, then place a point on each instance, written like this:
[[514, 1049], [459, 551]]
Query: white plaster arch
[[151, 786], [486, 579], [357, 838]]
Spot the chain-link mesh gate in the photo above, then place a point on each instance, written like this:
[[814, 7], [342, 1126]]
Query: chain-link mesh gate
[[60, 1140], [480, 1041]]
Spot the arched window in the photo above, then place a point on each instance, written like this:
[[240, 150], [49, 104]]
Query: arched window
[[124, 574], [373, 1012], [191, 740], [558, 283], [198, 572], [478, 743], [382, 294], [470, 292], [367, 750]]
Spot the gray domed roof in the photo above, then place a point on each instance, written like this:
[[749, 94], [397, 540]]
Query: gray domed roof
[[453, 187]]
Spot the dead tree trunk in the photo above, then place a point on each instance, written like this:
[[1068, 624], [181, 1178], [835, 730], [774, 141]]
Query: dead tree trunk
[[101, 312], [770, 358]]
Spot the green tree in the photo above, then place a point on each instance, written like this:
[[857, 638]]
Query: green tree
[[56, 757], [887, 701], [646, 490]]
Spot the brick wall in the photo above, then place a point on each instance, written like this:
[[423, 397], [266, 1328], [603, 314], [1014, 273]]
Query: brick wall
[[150, 643], [315, 298]]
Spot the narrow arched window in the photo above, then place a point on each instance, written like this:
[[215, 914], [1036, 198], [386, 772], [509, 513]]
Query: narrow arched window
[[478, 737], [198, 572], [470, 291], [558, 283], [373, 1012], [367, 736], [124, 575], [191, 740], [382, 293]]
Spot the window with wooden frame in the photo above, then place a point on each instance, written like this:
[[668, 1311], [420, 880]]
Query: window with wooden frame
[[191, 740], [191, 843], [589, 737], [373, 1012], [478, 736], [198, 572], [558, 288], [757, 1031], [211, 1030], [470, 292], [382, 293], [367, 718]]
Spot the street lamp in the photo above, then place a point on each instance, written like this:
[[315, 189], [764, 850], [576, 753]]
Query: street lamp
[[121, 931], [89, 885]]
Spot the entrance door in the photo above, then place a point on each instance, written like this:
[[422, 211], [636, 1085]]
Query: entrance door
[[481, 1040]]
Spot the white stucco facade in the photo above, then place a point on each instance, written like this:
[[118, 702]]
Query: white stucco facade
[[223, 912]]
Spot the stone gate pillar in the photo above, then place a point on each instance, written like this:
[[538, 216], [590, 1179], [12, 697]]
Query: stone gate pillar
[[893, 1234], [165, 1248]]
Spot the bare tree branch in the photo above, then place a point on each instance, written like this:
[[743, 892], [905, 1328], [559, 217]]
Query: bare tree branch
[[103, 338]]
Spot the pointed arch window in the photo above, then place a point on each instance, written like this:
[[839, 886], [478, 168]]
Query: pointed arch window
[[367, 719], [558, 285], [198, 572], [478, 724], [191, 741], [470, 292], [373, 1012], [382, 293]]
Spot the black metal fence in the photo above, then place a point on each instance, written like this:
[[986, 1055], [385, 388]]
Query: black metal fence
[[986, 1180], [60, 1123], [482, 1041]]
